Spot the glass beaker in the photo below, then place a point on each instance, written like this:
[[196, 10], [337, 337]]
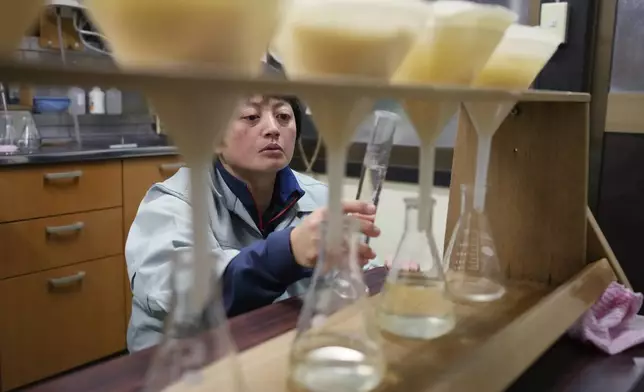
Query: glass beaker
[[414, 303], [473, 270], [194, 341], [337, 346]]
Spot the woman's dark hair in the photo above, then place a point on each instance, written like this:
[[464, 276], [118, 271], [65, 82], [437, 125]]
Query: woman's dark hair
[[273, 67]]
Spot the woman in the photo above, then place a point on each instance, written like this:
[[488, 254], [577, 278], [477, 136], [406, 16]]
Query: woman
[[265, 222]]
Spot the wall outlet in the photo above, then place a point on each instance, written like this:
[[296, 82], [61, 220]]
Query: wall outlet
[[554, 17]]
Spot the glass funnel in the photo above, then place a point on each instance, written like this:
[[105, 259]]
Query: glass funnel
[[474, 273], [238, 33], [452, 50], [15, 18], [413, 303], [337, 346], [515, 63], [345, 39]]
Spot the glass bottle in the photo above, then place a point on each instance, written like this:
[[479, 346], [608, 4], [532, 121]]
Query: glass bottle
[[194, 342], [413, 302], [473, 269], [337, 346]]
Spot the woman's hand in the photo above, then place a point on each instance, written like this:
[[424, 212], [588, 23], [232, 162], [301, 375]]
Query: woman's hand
[[305, 238]]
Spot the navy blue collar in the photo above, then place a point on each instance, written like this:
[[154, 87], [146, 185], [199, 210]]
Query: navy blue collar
[[286, 193]]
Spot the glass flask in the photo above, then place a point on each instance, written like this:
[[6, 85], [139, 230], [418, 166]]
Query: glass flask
[[194, 343], [473, 270], [30, 137], [337, 346], [8, 135], [414, 303]]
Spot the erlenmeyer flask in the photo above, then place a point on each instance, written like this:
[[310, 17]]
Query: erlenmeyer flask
[[413, 302], [473, 270], [194, 342], [337, 347], [8, 135], [30, 137]]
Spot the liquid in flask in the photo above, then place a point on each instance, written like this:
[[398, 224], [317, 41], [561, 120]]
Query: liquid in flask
[[473, 269], [196, 342], [413, 302], [337, 346]]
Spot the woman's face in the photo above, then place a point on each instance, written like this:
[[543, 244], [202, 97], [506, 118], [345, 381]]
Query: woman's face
[[261, 138]]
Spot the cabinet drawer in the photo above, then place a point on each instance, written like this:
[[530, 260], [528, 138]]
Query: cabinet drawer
[[40, 244], [56, 320], [27, 193]]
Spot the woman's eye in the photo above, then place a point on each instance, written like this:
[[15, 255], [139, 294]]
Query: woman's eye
[[284, 117], [251, 117]]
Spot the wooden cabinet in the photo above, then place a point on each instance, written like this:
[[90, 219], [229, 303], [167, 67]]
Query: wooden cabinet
[[58, 189], [138, 176], [55, 320], [40, 244], [65, 299]]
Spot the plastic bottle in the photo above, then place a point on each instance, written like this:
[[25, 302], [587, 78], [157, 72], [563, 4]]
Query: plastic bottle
[[97, 101], [114, 101], [77, 101]]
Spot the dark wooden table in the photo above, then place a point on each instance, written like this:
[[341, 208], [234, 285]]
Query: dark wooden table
[[568, 366]]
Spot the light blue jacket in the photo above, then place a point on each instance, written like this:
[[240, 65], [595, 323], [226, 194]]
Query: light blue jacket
[[161, 232]]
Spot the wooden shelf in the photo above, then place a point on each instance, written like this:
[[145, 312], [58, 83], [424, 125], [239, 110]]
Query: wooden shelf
[[490, 347], [191, 80]]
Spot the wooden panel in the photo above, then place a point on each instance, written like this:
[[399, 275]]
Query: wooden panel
[[625, 113], [536, 200], [49, 326], [138, 176], [480, 354], [40, 244], [41, 191]]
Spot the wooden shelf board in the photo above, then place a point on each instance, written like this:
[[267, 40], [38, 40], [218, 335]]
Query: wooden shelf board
[[490, 347], [191, 80]]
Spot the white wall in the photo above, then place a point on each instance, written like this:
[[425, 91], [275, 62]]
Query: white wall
[[391, 213]]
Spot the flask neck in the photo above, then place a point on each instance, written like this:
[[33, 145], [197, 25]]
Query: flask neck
[[468, 201], [415, 222]]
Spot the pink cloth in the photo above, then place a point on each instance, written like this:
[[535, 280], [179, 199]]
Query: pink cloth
[[612, 323]]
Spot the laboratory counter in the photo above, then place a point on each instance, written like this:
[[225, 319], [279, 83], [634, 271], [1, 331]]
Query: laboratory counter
[[403, 165], [568, 366]]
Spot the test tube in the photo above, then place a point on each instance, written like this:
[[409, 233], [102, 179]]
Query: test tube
[[376, 158]]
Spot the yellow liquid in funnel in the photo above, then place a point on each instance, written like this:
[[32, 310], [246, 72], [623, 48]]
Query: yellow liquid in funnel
[[509, 72], [454, 56], [160, 33], [329, 51]]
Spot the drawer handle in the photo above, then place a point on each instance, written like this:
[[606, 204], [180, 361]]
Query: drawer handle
[[57, 283], [57, 230], [166, 167], [72, 175]]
